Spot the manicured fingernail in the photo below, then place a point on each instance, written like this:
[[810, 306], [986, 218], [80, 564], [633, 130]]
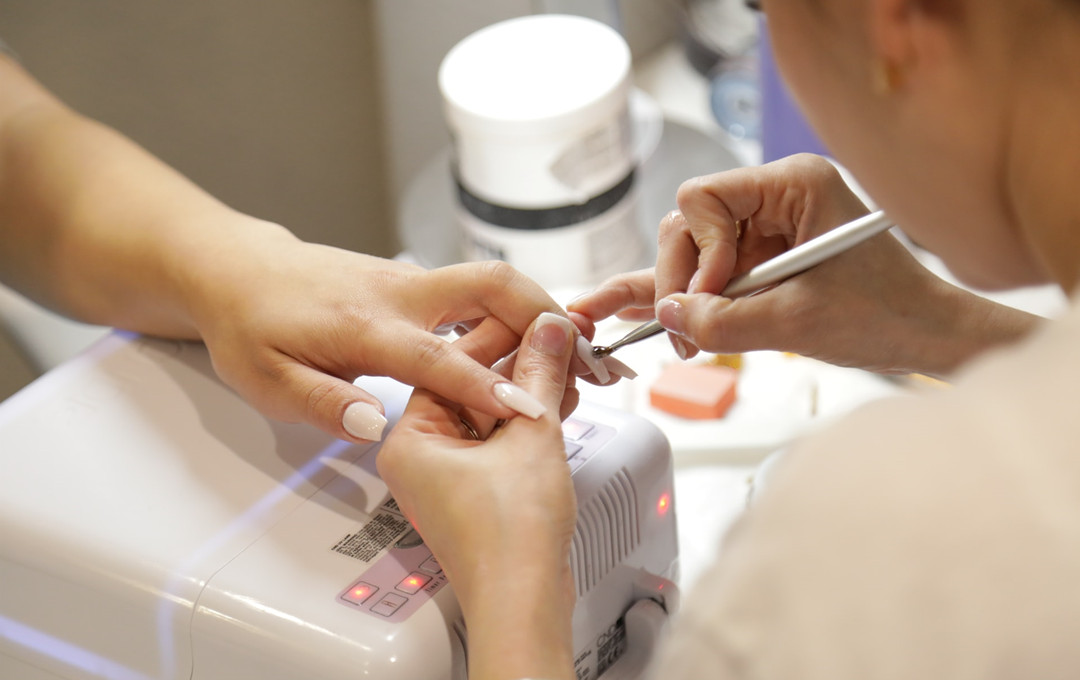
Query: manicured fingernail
[[695, 280], [670, 315], [616, 367], [680, 347], [596, 366], [512, 396], [579, 296], [551, 333], [363, 421]]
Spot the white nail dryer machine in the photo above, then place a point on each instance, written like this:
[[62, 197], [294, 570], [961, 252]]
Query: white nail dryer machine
[[153, 525]]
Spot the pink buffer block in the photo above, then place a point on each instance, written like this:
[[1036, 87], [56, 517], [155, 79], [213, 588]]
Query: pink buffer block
[[697, 391]]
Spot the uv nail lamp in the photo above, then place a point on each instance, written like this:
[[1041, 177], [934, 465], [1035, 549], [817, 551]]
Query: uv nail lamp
[[153, 525]]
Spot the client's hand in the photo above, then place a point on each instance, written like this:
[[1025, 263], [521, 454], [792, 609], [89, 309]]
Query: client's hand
[[290, 325], [498, 513]]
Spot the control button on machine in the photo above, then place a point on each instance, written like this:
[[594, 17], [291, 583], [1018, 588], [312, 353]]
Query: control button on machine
[[576, 429], [360, 592], [571, 449], [412, 583], [431, 566], [390, 603]]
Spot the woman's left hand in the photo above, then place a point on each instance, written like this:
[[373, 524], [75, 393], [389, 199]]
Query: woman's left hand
[[498, 513], [290, 325]]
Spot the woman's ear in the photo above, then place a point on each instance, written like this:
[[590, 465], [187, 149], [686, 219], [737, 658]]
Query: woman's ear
[[909, 39]]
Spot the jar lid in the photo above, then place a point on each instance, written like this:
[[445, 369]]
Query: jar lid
[[535, 75]]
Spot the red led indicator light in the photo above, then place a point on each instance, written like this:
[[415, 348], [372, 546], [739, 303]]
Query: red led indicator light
[[663, 504], [413, 583], [360, 592]]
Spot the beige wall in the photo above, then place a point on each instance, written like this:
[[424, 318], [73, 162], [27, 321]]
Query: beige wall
[[271, 105], [312, 114]]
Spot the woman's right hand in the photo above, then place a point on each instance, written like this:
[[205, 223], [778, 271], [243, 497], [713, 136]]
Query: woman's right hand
[[874, 307], [496, 504]]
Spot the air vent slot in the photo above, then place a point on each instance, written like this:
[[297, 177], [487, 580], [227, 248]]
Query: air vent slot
[[606, 533]]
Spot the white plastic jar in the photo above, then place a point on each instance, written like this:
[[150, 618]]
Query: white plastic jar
[[543, 156]]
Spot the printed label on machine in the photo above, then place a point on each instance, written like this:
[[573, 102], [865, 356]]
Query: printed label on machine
[[608, 647], [370, 539], [402, 574], [399, 581]]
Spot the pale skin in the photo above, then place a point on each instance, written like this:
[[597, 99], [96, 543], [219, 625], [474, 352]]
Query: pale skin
[[977, 129], [899, 318], [486, 507], [96, 228], [970, 141]]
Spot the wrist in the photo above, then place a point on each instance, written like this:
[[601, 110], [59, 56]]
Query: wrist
[[967, 325], [512, 585], [213, 274], [519, 624]]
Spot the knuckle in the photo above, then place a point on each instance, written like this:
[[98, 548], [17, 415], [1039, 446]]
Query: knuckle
[[543, 378], [498, 274], [429, 354], [326, 397], [816, 167]]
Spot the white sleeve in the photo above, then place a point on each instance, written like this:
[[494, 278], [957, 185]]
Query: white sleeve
[[929, 537]]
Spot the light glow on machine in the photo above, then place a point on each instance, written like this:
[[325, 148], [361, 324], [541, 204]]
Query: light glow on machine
[[166, 610], [65, 652], [663, 504]]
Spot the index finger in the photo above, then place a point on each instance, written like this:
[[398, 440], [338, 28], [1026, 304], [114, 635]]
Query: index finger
[[715, 208], [480, 289], [457, 371]]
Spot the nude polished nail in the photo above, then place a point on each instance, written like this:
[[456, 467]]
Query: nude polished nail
[[363, 421], [669, 313], [512, 396], [551, 333]]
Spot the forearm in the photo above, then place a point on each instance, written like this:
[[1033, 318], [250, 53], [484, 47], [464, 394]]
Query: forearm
[[518, 622], [94, 226]]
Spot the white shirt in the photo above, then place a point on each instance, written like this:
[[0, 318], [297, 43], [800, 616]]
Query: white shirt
[[928, 536]]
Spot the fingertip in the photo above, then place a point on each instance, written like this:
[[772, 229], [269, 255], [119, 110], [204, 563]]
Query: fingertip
[[364, 421], [583, 323], [580, 300]]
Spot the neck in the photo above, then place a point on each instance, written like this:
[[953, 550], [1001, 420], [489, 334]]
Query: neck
[[1043, 170]]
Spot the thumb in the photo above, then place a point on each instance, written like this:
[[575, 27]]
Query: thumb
[[719, 324], [543, 360]]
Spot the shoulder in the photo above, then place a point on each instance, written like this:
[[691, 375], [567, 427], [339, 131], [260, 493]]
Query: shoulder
[[925, 534]]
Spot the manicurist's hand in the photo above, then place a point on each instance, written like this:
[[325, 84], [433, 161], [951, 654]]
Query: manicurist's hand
[[874, 307], [498, 513]]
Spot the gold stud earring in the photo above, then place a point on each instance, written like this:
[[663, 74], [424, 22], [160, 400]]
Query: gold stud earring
[[886, 77]]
